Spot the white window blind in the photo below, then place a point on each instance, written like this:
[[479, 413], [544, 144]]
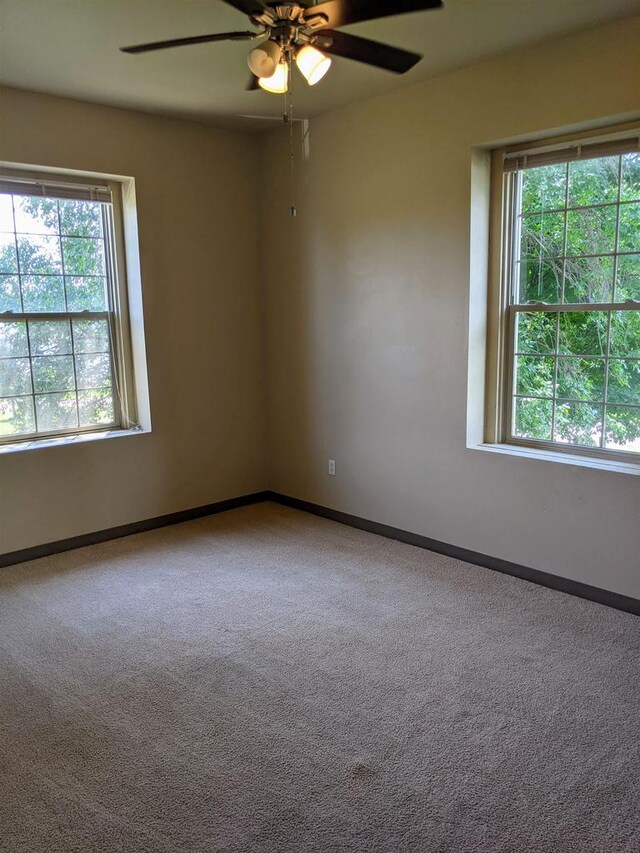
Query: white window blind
[[14, 185], [588, 149]]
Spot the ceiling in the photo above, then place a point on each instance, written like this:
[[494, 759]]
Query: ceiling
[[70, 48]]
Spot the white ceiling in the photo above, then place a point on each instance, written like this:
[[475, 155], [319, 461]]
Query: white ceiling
[[70, 47]]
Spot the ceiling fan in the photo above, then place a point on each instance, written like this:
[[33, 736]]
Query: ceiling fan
[[306, 33]]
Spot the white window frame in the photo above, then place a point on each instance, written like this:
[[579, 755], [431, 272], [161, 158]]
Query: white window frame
[[502, 307], [130, 393]]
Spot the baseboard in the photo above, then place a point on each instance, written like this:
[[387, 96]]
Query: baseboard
[[84, 539], [581, 590]]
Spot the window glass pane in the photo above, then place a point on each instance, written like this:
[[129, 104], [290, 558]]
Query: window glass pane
[[15, 377], [8, 254], [50, 337], [39, 255], [6, 213], [544, 188], [542, 235], [93, 371], [91, 336], [540, 281], [43, 293], [591, 231], [35, 215], [583, 333], [593, 181], [9, 293], [53, 373], [96, 407], [57, 411], [534, 376], [625, 333], [581, 378], [629, 240], [83, 256], [80, 218], [86, 293], [13, 338], [578, 423], [16, 416], [630, 188], [532, 419], [623, 428], [536, 332], [624, 381], [628, 278], [588, 279]]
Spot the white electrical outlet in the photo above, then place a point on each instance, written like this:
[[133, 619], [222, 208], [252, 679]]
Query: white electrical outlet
[[332, 467]]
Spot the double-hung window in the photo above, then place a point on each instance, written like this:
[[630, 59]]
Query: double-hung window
[[570, 320], [64, 362]]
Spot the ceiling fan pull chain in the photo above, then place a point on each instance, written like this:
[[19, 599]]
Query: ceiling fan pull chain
[[289, 119]]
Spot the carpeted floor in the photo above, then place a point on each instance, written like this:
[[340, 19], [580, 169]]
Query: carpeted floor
[[264, 681]]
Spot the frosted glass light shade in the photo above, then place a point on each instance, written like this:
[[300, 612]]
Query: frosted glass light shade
[[263, 60], [278, 83], [313, 65]]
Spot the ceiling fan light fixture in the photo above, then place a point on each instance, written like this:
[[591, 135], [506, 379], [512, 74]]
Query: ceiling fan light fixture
[[264, 59], [278, 83], [312, 64]]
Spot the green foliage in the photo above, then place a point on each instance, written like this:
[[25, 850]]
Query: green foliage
[[16, 416], [53, 373], [566, 256], [82, 256], [42, 293], [8, 254]]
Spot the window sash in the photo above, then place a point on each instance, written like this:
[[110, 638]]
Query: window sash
[[39, 316], [606, 358]]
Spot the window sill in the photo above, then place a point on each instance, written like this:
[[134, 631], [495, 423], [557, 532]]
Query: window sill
[[66, 440], [615, 465]]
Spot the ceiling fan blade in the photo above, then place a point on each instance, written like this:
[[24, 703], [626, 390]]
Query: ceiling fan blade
[[339, 13], [252, 85], [161, 45], [248, 7], [364, 50]]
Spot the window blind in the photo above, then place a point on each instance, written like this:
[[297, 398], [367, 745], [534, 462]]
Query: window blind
[[12, 185], [515, 161]]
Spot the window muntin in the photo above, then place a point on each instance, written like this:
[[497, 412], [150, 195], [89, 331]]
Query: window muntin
[[60, 365], [573, 312]]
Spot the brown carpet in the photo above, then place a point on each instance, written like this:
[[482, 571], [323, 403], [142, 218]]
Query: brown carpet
[[268, 681]]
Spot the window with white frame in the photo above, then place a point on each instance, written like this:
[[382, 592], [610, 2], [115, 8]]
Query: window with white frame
[[570, 319], [64, 362]]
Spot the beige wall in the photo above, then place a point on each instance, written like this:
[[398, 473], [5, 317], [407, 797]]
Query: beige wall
[[368, 315], [203, 322]]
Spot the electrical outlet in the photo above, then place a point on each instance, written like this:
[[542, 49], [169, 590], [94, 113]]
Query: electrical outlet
[[332, 467]]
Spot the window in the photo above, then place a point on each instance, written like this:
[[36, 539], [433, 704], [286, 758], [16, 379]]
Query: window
[[64, 362], [570, 318]]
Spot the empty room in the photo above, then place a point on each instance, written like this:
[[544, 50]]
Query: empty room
[[319, 426]]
